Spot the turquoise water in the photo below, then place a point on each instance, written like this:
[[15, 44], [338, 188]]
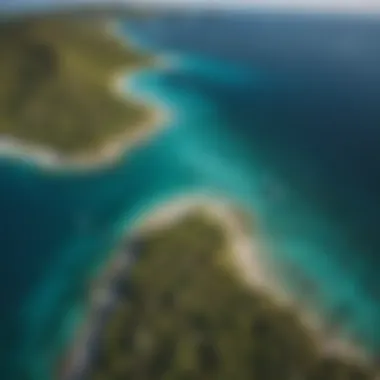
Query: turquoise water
[[60, 228]]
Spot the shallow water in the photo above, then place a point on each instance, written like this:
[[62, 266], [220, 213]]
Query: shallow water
[[278, 123]]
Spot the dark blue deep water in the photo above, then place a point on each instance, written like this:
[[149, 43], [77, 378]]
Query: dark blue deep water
[[279, 112]]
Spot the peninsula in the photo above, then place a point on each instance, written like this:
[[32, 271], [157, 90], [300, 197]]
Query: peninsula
[[60, 98], [175, 303]]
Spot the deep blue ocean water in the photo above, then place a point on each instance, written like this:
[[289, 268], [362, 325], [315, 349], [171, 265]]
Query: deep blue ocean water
[[279, 113]]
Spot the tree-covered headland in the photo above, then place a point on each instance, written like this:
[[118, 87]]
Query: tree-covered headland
[[184, 314], [58, 84]]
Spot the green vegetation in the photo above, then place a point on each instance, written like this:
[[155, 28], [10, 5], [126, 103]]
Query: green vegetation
[[56, 84], [183, 315]]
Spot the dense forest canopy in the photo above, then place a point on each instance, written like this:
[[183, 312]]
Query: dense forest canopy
[[184, 314]]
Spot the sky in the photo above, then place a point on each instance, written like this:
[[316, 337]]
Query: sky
[[342, 5], [351, 6]]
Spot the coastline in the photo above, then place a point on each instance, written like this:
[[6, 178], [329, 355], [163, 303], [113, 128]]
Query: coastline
[[246, 263], [49, 160], [255, 272], [112, 150]]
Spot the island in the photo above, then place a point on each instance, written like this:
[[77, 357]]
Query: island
[[60, 96], [178, 301]]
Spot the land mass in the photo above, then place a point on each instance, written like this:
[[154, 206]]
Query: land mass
[[176, 304], [59, 97]]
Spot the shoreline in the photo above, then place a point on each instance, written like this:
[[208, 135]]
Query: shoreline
[[49, 160], [257, 273], [113, 149], [245, 263]]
